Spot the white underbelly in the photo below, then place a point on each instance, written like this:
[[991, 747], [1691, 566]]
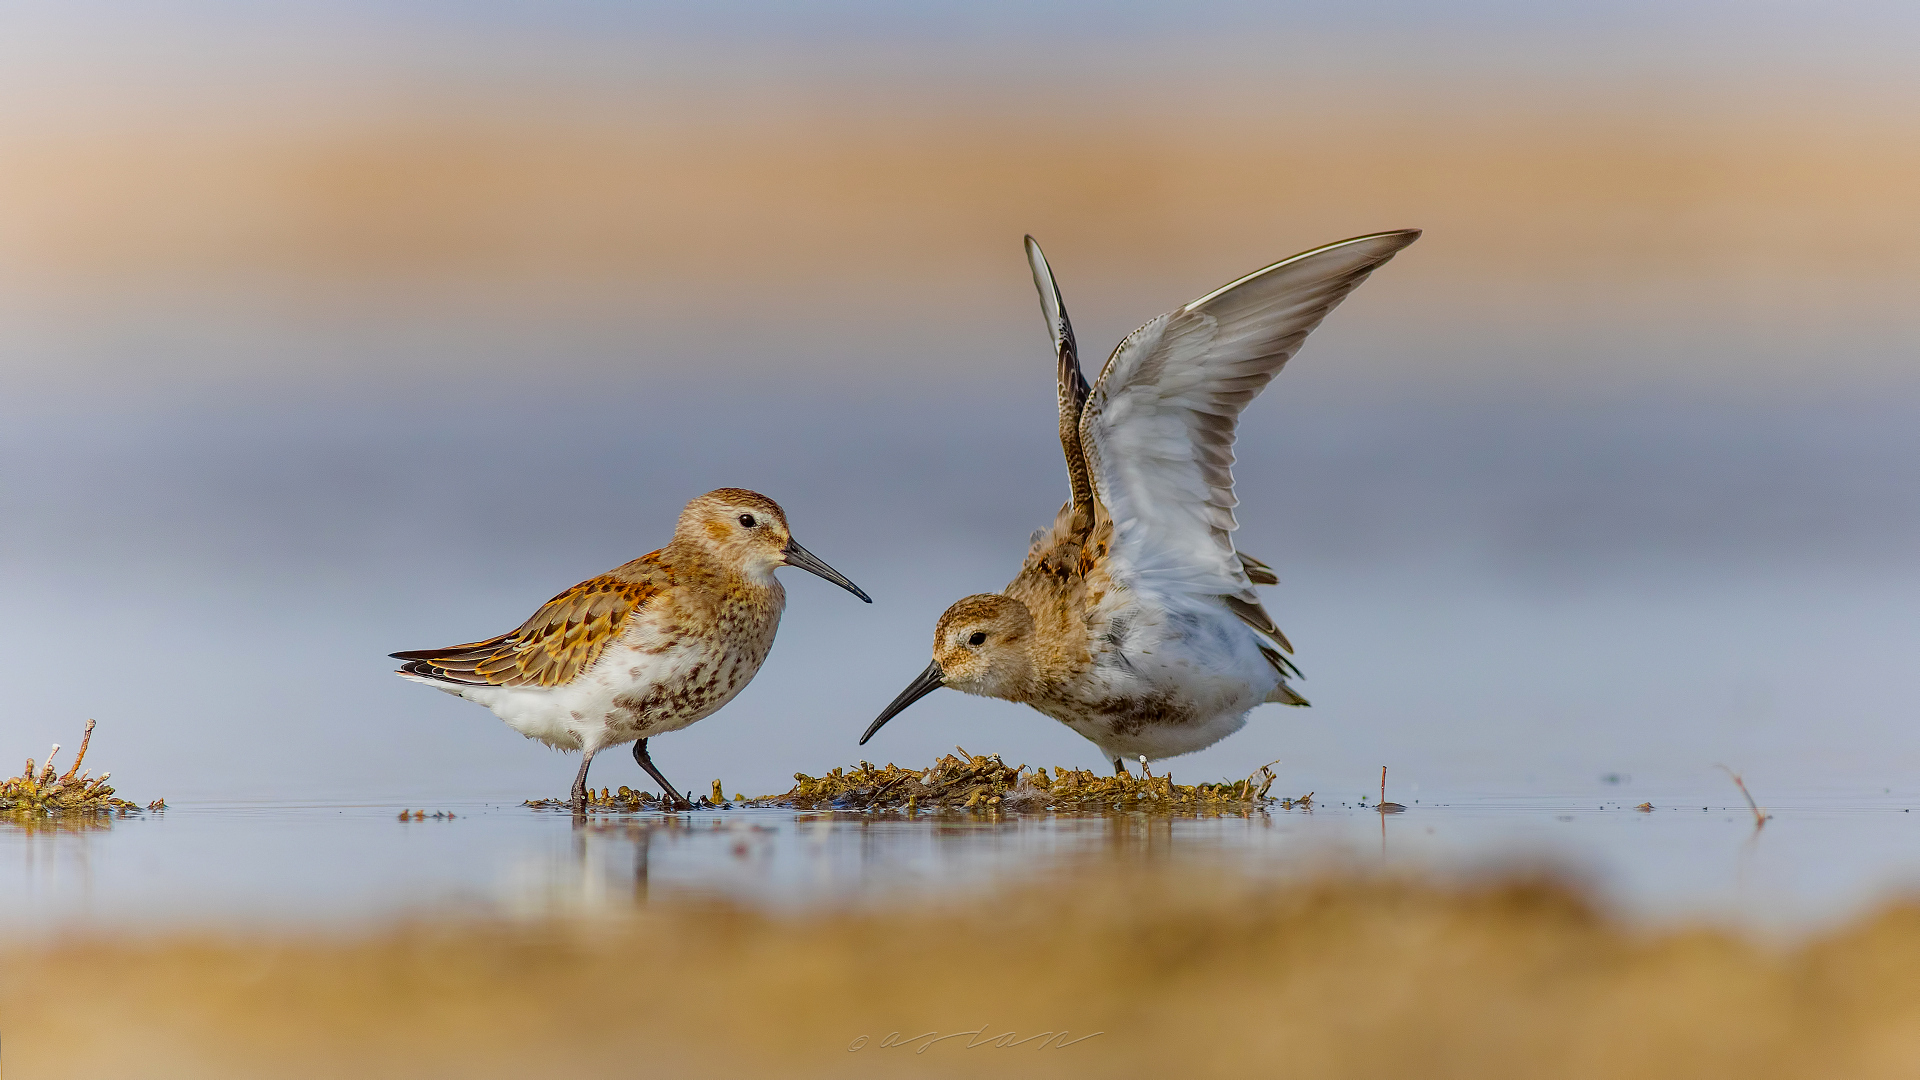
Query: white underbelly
[[628, 694], [1178, 681], [1162, 741]]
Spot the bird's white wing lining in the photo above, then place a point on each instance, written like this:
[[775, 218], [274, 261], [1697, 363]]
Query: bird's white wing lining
[[1158, 428]]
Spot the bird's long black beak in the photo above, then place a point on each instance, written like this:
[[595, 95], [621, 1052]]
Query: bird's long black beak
[[808, 561], [923, 684]]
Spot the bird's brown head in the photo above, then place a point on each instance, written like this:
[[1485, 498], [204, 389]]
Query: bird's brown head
[[748, 532], [983, 645]]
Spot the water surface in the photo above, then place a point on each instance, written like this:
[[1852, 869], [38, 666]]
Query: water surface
[[264, 865]]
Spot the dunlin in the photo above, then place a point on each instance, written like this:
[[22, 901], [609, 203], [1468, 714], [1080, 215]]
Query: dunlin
[[1134, 621], [645, 648]]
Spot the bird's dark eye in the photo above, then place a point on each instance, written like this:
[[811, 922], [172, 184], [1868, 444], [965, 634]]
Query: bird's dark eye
[[979, 638], [747, 520]]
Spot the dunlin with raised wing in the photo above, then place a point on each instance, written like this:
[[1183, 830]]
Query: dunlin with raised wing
[[643, 649], [1134, 621]]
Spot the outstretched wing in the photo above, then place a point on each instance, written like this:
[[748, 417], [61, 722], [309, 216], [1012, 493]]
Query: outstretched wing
[[1158, 427], [1073, 387], [559, 642]]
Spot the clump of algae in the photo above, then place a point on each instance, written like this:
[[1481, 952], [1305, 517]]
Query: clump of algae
[[966, 781], [974, 782], [624, 800], [39, 793]]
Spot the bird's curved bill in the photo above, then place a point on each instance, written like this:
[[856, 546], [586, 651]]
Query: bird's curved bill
[[808, 561], [925, 683]]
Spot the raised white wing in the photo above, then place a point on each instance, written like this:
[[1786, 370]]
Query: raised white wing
[[1158, 428]]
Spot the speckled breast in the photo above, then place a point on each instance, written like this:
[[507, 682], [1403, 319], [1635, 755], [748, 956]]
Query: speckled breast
[[704, 673]]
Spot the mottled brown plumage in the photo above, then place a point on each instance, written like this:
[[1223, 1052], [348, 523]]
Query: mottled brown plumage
[[560, 640], [1133, 620], [648, 647]]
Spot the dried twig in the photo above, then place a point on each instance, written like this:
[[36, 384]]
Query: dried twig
[[1760, 816], [85, 738], [1384, 806]]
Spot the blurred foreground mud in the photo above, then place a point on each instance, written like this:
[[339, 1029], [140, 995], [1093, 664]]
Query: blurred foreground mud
[[1194, 973]]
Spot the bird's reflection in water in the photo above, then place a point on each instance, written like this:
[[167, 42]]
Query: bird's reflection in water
[[604, 867], [612, 864], [601, 847], [1139, 837]]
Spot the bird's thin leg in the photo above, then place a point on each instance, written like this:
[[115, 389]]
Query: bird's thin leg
[[674, 798], [1119, 767], [578, 802]]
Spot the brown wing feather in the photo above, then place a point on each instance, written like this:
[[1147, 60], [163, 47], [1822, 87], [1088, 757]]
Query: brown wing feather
[[1256, 616], [1073, 388], [1257, 572], [1284, 694], [553, 647]]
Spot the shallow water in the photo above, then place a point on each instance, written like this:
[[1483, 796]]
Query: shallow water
[[263, 865], [1536, 614]]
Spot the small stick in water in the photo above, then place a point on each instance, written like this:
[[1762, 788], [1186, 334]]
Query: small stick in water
[[1386, 807], [1759, 816]]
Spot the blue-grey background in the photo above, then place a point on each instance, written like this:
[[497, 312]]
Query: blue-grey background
[[330, 330]]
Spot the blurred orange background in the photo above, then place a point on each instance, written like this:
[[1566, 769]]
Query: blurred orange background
[[594, 175]]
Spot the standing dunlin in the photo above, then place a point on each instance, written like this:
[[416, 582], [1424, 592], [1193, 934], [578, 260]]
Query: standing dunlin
[[1134, 621], [644, 649]]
